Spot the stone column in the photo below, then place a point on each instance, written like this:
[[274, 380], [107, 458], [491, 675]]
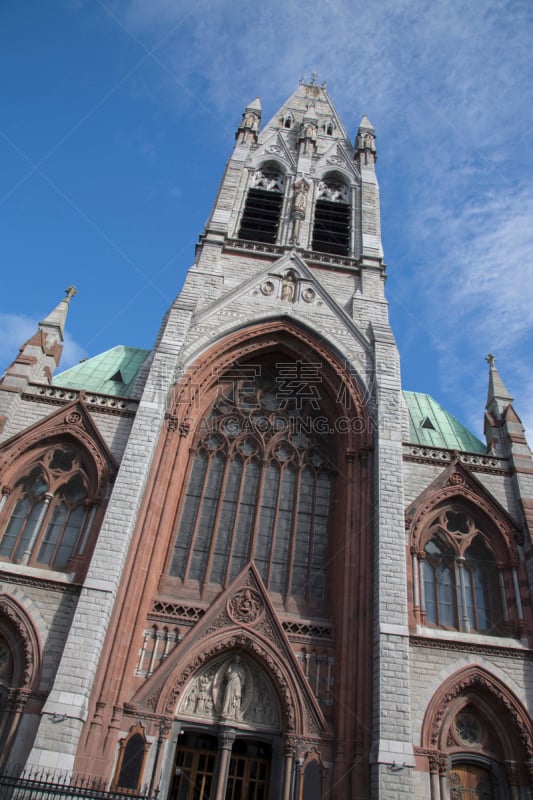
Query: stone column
[[443, 777], [47, 499], [226, 738], [287, 771], [512, 778], [435, 761], [463, 608]]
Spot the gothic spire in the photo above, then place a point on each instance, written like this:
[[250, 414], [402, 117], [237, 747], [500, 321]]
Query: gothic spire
[[55, 321], [498, 397], [39, 356]]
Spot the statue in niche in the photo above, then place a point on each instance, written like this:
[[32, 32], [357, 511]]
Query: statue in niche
[[250, 121], [190, 701], [288, 288], [204, 703], [299, 202], [234, 677]]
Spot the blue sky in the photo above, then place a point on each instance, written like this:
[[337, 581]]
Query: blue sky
[[118, 117]]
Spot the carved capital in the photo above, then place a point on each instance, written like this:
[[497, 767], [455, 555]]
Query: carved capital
[[171, 423], [226, 737]]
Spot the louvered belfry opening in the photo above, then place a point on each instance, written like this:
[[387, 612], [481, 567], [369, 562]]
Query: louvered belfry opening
[[331, 231], [262, 210]]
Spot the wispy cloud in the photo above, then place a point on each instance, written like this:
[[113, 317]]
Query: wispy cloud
[[447, 86]]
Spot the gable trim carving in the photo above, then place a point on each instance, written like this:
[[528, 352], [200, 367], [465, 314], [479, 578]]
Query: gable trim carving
[[241, 620], [70, 422], [457, 483]]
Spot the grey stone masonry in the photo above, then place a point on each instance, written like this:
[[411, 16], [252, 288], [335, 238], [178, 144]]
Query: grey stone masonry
[[392, 753], [56, 743]]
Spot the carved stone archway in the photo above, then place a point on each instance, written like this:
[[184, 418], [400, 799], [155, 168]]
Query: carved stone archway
[[20, 669], [473, 719]]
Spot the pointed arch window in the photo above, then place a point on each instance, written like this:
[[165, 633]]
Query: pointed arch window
[[131, 760], [262, 211], [46, 519], [259, 489], [331, 230], [288, 121], [462, 585]]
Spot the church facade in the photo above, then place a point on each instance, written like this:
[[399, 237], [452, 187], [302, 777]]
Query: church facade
[[246, 564]]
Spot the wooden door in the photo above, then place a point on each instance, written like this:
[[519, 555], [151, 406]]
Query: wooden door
[[470, 782]]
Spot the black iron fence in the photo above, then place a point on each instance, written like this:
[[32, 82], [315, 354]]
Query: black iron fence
[[36, 783]]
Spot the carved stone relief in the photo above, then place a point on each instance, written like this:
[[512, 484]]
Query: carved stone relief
[[246, 606], [231, 688]]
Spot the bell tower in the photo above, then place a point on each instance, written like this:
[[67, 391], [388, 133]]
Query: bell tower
[[247, 536]]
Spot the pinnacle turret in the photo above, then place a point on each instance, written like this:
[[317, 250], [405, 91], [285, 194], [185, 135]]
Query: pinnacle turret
[[39, 356], [36, 361], [251, 120], [365, 141], [498, 396]]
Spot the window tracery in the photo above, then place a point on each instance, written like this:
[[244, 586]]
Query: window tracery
[[259, 488], [461, 581], [47, 517], [331, 230], [262, 210], [269, 179]]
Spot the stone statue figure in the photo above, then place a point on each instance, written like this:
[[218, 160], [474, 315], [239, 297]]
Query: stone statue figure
[[234, 677], [299, 202], [203, 701], [288, 288], [250, 121]]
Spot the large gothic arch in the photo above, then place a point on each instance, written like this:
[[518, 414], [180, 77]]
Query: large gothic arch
[[192, 392], [157, 693]]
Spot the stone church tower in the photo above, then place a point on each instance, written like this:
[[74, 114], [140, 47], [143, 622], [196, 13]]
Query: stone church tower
[[246, 563]]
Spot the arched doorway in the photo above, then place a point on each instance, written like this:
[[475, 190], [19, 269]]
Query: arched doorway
[[231, 723], [479, 739], [198, 763], [19, 676]]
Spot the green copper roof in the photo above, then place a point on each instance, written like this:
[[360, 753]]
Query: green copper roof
[[112, 372], [430, 425]]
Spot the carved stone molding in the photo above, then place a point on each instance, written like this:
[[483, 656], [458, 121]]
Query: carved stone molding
[[477, 681], [22, 640]]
